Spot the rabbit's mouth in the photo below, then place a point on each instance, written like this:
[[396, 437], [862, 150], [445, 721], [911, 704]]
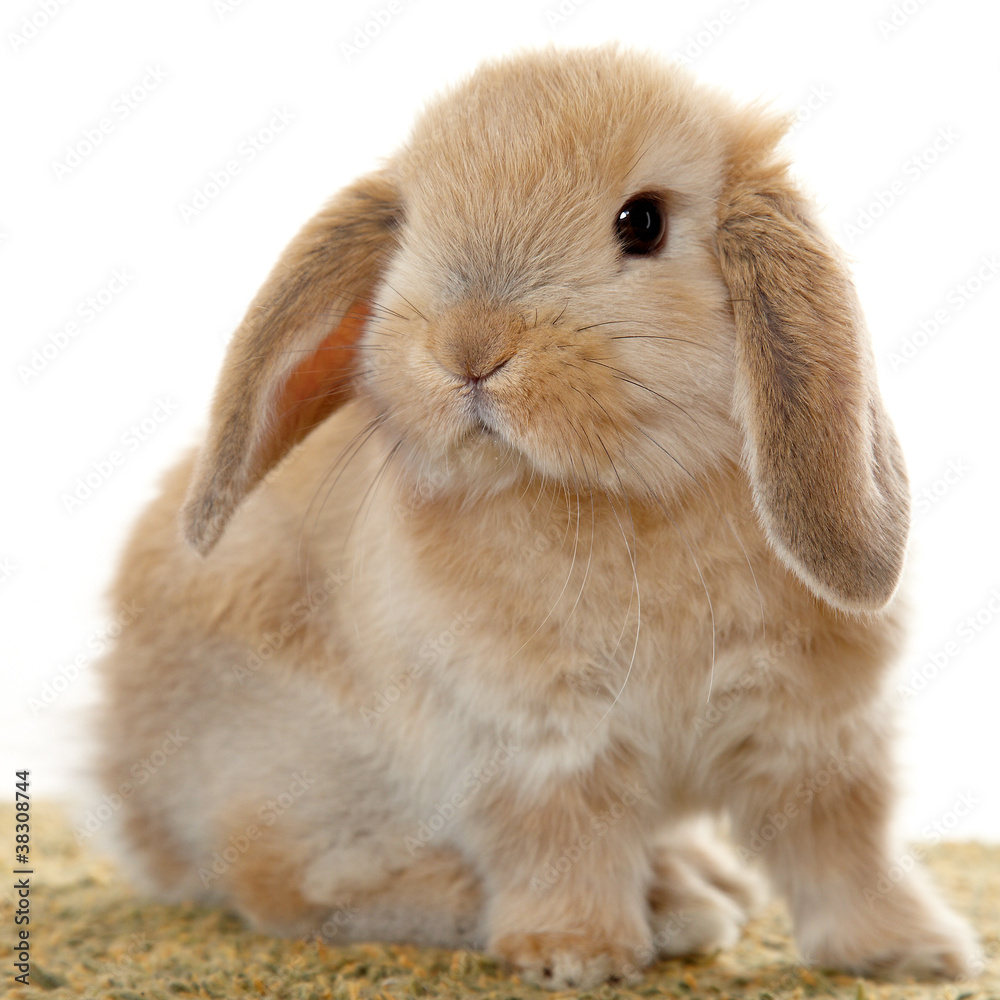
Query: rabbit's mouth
[[483, 429], [481, 408], [481, 415]]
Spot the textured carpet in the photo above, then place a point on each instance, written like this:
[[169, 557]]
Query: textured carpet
[[92, 937]]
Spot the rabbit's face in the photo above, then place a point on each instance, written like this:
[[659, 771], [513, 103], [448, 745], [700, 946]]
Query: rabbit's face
[[585, 268], [554, 305]]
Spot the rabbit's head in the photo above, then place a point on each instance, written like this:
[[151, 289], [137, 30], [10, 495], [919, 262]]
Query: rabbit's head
[[585, 268]]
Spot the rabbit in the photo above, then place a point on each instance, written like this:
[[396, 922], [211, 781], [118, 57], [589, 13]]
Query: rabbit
[[548, 523]]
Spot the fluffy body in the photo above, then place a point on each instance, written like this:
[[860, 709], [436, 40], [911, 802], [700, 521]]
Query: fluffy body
[[542, 555]]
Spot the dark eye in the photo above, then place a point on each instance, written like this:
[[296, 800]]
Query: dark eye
[[641, 225]]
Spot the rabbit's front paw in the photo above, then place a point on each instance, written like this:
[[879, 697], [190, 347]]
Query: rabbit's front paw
[[933, 952], [562, 961], [906, 932], [700, 897]]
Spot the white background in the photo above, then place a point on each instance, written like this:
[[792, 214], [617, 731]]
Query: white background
[[882, 93]]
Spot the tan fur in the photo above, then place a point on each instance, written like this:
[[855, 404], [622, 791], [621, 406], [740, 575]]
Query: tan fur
[[828, 475], [266, 885], [582, 547], [332, 262]]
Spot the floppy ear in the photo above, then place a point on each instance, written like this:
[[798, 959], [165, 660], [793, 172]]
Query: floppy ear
[[289, 364], [825, 467]]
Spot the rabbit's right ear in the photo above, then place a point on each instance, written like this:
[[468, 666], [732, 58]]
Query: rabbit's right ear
[[289, 364], [826, 469]]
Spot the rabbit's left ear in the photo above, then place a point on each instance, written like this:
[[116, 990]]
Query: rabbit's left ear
[[290, 363], [826, 469]]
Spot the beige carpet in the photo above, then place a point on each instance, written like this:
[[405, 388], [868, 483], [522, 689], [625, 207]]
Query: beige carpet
[[92, 937]]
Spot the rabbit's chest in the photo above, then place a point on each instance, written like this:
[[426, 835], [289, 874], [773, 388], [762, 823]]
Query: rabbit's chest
[[561, 633], [563, 664]]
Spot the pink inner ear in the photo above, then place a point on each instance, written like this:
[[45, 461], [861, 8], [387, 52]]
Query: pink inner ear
[[321, 383]]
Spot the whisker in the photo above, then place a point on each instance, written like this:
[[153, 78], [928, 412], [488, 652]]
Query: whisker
[[308, 350], [392, 312], [624, 377], [558, 598], [344, 387], [529, 481], [676, 340], [722, 514], [357, 443], [595, 326], [697, 566], [338, 395], [638, 598], [407, 301], [628, 508], [535, 504], [631, 549], [590, 554], [701, 486], [369, 495]]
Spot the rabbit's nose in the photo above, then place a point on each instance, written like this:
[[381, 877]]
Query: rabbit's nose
[[474, 362], [473, 342], [474, 374]]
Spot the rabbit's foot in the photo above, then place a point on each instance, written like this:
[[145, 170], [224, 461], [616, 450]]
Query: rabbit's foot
[[700, 897], [562, 961], [904, 930]]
